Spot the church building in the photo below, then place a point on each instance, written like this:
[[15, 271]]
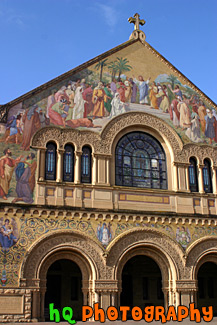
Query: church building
[[108, 189]]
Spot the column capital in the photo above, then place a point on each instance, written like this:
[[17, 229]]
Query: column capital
[[78, 153], [186, 285], [61, 151]]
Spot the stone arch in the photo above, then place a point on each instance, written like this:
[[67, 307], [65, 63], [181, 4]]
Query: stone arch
[[156, 242], [163, 250], [73, 246], [64, 253], [144, 121], [156, 135], [191, 150], [62, 136], [49, 248], [108, 134], [199, 252]]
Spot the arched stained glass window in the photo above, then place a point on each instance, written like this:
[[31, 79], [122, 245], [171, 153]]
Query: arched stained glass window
[[192, 174], [68, 163], [140, 161], [86, 165], [50, 167], [207, 180]]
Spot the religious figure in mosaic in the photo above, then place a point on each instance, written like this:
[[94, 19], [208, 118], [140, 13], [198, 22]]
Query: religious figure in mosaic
[[183, 236], [7, 234]]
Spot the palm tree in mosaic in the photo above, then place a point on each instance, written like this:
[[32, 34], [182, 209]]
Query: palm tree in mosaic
[[122, 66], [100, 65], [113, 67], [173, 79]]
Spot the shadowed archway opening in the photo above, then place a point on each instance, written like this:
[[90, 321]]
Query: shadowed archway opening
[[141, 283], [64, 283], [207, 286]]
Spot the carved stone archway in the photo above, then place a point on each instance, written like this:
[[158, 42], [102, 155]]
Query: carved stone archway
[[67, 253], [62, 245], [163, 250], [201, 251]]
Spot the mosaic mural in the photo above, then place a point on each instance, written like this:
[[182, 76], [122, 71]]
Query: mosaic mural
[[132, 79], [18, 234]]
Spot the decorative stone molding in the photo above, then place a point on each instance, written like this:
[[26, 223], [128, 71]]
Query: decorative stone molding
[[186, 285], [166, 253], [201, 251], [64, 254], [143, 120], [102, 143], [35, 264], [63, 136], [200, 152], [106, 286], [108, 215]]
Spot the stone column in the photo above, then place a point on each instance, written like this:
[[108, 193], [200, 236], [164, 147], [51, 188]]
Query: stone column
[[78, 167], [105, 299], [35, 305], [175, 177], [108, 171], [94, 169], [60, 153], [38, 164], [187, 178], [214, 179], [107, 290], [85, 299], [119, 299], [96, 297], [187, 291], [41, 164], [177, 295], [200, 178], [113, 299], [167, 293], [42, 298], [166, 298]]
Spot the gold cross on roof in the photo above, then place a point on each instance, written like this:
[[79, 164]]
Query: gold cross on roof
[[136, 21]]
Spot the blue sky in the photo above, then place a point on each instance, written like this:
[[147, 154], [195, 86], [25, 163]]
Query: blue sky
[[41, 39]]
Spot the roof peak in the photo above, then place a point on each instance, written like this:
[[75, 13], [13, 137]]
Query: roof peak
[[137, 33]]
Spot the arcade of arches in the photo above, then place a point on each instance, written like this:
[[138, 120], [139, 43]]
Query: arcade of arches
[[141, 268]]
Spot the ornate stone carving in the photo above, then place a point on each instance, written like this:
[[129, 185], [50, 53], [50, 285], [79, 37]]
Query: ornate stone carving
[[147, 242], [102, 144], [63, 136], [200, 152], [203, 250], [90, 253]]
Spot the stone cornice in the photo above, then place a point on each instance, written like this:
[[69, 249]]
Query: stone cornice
[[109, 215]]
